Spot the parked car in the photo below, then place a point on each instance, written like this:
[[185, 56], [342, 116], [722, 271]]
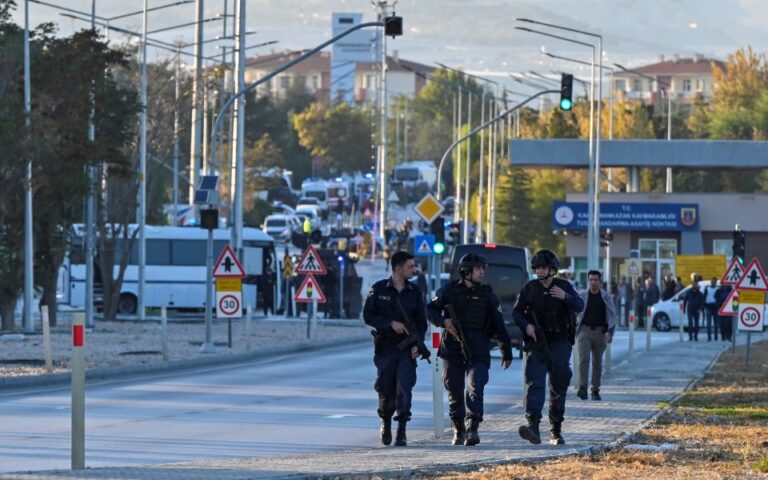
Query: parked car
[[668, 314], [322, 206], [279, 226]]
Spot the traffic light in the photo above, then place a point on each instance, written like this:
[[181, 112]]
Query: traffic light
[[739, 243], [393, 26], [566, 91], [455, 233], [437, 228], [606, 238]]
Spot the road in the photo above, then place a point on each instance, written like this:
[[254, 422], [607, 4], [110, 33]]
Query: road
[[309, 402]]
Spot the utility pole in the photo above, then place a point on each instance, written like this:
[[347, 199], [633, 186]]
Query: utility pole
[[176, 74], [29, 252], [141, 213], [90, 206], [195, 150], [239, 132], [383, 7]]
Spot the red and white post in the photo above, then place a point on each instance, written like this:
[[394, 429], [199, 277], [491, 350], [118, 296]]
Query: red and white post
[[78, 391]]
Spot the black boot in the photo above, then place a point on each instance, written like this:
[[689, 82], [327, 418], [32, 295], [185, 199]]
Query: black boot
[[582, 393], [386, 430], [459, 432], [555, 437], [400, 440], [596, 394], [530, 432], [472, 436]]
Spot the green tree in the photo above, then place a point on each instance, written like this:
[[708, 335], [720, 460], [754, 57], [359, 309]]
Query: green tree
[[514, 217], [341, 135]]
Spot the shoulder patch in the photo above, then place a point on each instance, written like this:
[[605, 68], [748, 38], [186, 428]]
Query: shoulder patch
[[499, 308]]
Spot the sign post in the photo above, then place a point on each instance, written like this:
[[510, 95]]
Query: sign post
[[287, 275], [229, 274], [310, 265]]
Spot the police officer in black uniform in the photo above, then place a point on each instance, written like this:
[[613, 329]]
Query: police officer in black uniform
[[479, 314], [395, 368], [554, 303]]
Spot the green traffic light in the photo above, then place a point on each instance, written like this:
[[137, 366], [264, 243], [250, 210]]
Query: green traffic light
[[438, 248], [566, 104]]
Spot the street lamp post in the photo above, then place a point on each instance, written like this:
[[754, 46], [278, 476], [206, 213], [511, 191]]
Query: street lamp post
[[666, 88], [593, 232], [29, 279]]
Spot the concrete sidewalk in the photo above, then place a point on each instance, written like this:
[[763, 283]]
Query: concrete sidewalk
[[631, 396]]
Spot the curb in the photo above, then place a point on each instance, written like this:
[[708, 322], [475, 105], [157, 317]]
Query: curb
[[11, 384]]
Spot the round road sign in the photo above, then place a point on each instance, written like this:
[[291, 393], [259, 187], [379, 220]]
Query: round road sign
[[229, 304], [749, 317]]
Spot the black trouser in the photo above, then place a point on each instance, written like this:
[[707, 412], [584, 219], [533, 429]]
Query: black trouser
[[395, 378], [535, 375], [726, 326], [467, 404]]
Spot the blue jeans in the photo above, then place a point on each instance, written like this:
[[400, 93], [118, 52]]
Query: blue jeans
[[536, 379], [693, 324], [710, 313]]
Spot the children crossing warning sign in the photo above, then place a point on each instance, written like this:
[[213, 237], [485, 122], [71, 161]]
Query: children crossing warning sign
[[753, 278], [309, 291], [228, 265]]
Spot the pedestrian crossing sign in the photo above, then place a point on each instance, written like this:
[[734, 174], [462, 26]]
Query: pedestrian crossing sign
[[310, 263], [753, 278], [423, 244], [733, 274]]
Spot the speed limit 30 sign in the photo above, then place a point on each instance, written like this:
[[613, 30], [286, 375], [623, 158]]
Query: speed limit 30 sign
[[229, 298], [751, 310]]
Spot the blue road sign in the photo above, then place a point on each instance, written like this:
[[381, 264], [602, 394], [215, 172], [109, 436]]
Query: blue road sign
[[422, 245]]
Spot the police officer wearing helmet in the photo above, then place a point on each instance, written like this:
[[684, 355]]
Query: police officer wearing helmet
[[551, 303], [479, 314], [395, 367]]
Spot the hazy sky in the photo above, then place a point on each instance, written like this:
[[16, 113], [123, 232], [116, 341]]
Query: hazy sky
[[478, 35]]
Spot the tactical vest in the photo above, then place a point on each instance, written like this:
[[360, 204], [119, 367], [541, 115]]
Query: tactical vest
[[472, 308], [551, 312]]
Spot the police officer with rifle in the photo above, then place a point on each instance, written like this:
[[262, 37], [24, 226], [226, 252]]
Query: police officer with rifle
[[395, 309], [471, 315], [546, 312]]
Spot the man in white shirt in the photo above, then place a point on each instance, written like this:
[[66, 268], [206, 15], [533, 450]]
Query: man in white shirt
[[710, 310]]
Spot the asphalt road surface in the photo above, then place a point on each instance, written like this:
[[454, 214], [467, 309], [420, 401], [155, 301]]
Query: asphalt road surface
[[293, 403]]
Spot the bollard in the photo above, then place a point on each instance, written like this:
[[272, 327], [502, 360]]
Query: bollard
[[631, 335], [437, 384], [47, 339], [248, 329], [78, 391], [164, 328], [648, 322], [682, 328]]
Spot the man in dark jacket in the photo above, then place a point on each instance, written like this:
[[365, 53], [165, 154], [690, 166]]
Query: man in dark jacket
[[545, 311], [479, 319], [726, 322], [670, 287], [693, 304], [395, 367]]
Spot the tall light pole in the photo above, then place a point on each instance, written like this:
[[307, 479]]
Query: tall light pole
[[195, 149], [383, 6], [593, 232], [667, 88], [239, 132], [29, 251], [141, 211]]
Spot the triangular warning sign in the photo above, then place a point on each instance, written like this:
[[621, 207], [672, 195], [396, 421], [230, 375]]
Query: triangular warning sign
[[753, 278], [309, 291], [733, 274], [228, 265], [727, 308], [310, 263], [424, 247]]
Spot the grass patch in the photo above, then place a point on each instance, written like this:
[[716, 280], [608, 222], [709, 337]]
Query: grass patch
[[721, 428]]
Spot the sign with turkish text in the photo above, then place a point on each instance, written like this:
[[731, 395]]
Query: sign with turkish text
[[628, 216]]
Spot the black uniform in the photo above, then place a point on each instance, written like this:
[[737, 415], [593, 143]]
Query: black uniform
[[479, 312], [556, 318], [395, 369]]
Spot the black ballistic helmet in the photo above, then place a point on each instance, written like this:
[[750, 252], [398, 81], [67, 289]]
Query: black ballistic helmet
[[545, 258], [469, 261]]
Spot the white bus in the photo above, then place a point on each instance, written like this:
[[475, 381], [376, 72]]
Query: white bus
[[175, 271]]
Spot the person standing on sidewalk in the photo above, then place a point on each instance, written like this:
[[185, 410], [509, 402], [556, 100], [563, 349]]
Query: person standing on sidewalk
[[595, 326], [544, 312], [639, 302], [726, 324], [711, 309], [693, 304], [479, 319], [395, 368]]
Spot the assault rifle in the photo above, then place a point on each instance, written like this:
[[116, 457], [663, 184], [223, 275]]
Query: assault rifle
[[542, 345], [462, 339], [412, 338]]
